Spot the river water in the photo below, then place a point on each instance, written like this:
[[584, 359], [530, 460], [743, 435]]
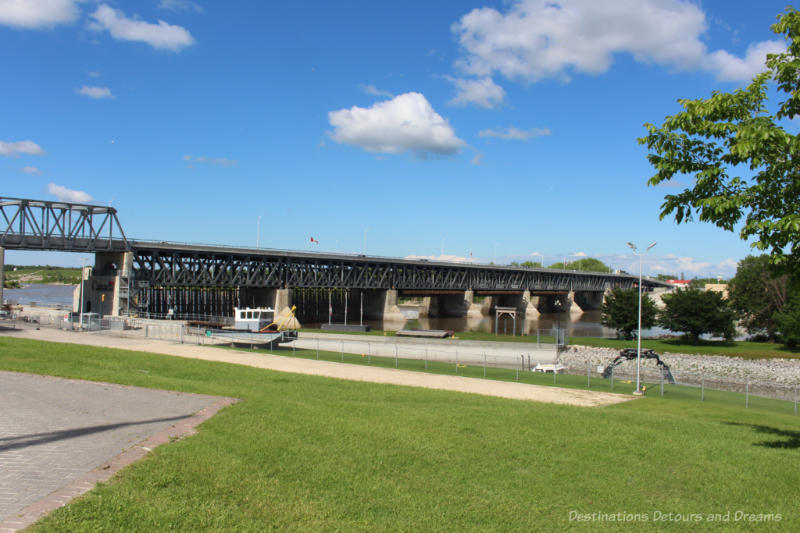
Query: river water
[[41, 294]]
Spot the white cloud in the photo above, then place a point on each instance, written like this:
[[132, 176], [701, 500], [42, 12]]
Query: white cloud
[[477, 159], [31, 170], [533, 40], [731, 68], [160, 35], [220, 161], [32, 14], [179, 5], [482, 92], [94, 92], [443, 258], [374, 91], [68, 195], [13, 149], [406, 123], [512, 133], [653, 264], [94, 74]]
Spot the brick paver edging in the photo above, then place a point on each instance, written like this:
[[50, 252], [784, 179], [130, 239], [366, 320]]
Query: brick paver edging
[[64, 495]]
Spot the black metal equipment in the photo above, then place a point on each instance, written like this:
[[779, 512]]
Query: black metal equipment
[[629, 354]]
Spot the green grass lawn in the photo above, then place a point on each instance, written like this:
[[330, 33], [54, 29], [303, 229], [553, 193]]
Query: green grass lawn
[[310, 453], [744, 349]]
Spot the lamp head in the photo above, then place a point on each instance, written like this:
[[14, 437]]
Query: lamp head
[[632, 246], [651, 245]]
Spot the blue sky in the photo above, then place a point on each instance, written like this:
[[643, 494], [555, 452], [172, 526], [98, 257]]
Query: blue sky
[[502, 129]]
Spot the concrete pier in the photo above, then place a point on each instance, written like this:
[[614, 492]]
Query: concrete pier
[[2, 272]]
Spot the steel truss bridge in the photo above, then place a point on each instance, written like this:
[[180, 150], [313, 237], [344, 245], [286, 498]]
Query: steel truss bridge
[[63, 226]]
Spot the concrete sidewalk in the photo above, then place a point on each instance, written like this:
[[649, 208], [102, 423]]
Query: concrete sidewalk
[[55, 432]]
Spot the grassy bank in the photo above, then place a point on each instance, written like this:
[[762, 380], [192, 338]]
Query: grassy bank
[[310, 453], [16, 276], [747, 350]]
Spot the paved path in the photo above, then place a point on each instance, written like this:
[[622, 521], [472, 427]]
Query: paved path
[[519, 391], [54, 431]]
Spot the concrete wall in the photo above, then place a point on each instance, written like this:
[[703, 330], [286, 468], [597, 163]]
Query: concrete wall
[[589, 300]]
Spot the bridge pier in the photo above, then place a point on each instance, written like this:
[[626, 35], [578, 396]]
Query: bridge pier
[[283, 308], [2, 272], [589, 300]]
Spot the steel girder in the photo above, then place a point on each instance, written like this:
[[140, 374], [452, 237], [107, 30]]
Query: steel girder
[[41, 225], [161, 266]]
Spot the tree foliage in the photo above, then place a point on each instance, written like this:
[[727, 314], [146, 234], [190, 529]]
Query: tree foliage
[[588, 264], [757, 291], [696, 312], [620, 310], [787, 322], [527, 264], [744, 163]]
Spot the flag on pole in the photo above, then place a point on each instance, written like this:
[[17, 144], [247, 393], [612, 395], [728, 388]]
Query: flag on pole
[[314, 241]]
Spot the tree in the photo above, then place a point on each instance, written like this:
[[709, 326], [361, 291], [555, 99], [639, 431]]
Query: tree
[[787, 321], [697, 312], [620, 310], [527, 264], [588, 264], [745, 165], [756, 292]]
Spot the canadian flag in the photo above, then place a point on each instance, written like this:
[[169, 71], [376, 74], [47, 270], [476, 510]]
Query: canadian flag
[[314, 241]]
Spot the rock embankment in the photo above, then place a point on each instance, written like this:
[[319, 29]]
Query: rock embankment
[[786, 371]]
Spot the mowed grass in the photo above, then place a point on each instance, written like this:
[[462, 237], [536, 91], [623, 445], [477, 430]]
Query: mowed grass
[[744, 349], [310, 453]]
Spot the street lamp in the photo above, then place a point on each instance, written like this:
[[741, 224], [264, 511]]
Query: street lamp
[[83, 266], [557, 303], [632, 246]]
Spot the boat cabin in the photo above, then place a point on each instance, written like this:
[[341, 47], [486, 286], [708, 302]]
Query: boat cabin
[[252, 318]]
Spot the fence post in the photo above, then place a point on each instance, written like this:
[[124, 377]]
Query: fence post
[[537, 337], [426, 358], [180, 332], [146, 330], [747, 393], [702, 388], [588, 378], [554, 373], [484, 364], [612, 378]]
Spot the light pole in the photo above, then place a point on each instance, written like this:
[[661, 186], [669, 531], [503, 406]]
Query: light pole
[[83, 266], [632, 246], [557, 303]]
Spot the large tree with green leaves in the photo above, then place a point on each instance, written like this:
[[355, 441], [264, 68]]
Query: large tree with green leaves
[[744, 163], [756, 292], [588, 264], [620, 310], [696, 312]]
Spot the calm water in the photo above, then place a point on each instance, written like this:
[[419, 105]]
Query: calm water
[[41, 294]]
